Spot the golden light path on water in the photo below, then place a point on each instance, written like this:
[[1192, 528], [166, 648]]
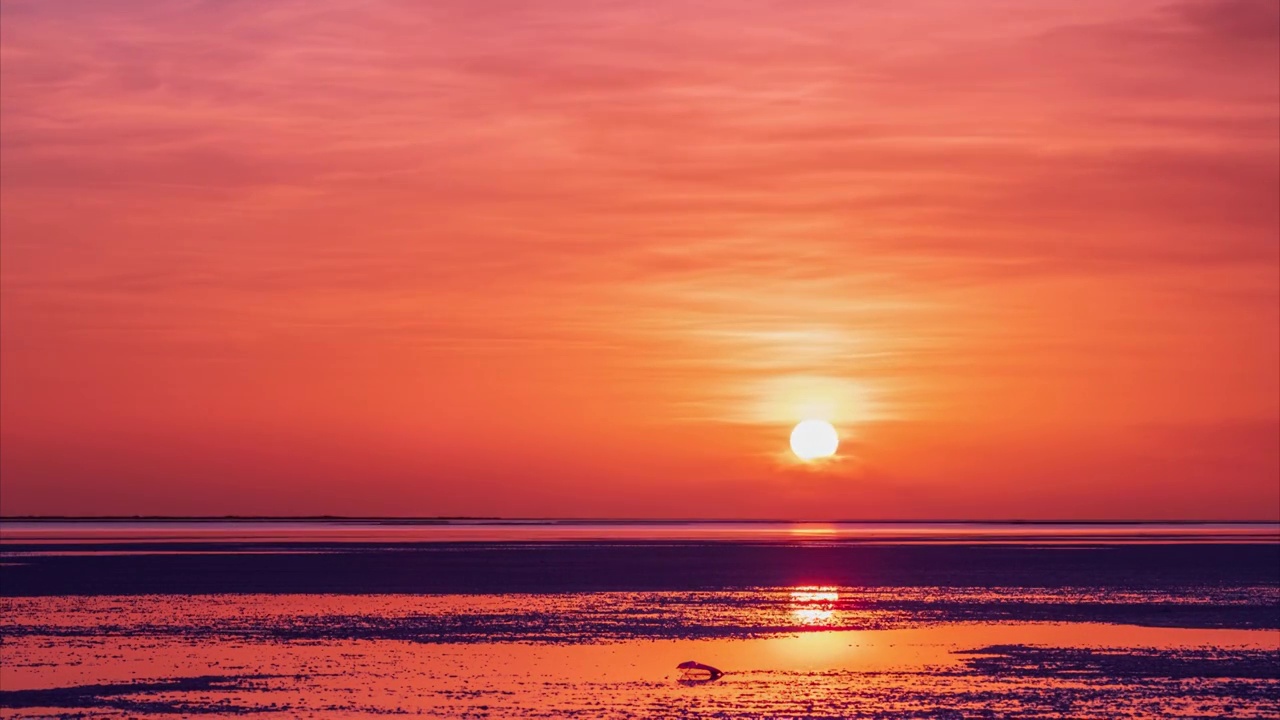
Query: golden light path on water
[[813, 605], [184, 653]]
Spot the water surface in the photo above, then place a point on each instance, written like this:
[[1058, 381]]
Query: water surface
[[558, 619]]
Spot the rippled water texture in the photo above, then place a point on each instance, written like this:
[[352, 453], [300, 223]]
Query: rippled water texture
[[166, 625]]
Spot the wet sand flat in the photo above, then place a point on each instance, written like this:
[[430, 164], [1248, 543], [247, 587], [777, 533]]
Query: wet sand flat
[[849, 625], [941, 670]]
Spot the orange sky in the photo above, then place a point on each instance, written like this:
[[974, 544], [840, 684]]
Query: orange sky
[[594, 259]]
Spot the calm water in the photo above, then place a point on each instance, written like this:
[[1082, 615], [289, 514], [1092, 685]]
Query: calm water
[[472, 619], [388, 530]]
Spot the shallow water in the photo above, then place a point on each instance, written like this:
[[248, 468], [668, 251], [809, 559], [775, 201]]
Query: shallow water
[[141, 666], [154, 625], [100, 532]]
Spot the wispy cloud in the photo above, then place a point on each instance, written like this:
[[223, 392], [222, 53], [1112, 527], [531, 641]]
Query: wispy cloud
[[705, 207]]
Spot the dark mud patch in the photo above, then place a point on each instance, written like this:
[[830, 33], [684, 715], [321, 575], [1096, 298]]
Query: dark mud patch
[[1025, 661], [138, 697]]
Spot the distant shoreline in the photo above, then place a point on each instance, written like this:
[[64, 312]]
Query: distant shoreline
[[448, 519]]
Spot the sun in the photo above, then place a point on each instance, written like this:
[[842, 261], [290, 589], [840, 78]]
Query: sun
[[813, 439]]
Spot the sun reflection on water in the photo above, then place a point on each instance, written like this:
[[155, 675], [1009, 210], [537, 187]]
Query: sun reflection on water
[[813, 604], [808, 531]]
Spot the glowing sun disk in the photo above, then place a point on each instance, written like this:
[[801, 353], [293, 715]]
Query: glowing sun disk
[[812, 439]]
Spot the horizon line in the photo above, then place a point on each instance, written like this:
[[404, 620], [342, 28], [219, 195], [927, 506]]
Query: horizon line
[[621, 520]]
